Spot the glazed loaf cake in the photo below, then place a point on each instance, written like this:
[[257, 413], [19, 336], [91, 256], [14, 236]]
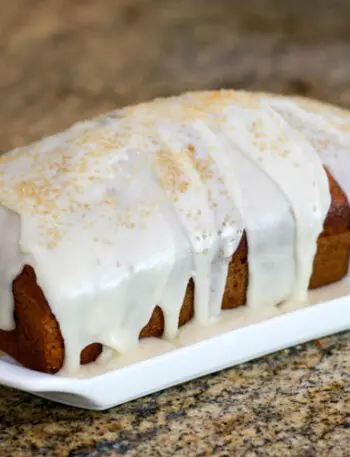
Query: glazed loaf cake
[[130, 225]]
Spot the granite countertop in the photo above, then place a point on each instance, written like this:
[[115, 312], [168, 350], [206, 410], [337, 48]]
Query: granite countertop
[[289, 404], [64, 60]]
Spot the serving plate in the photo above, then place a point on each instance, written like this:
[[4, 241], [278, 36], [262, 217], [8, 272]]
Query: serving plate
[[239, 336]]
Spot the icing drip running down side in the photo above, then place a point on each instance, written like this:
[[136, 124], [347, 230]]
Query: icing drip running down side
[[117, 214]]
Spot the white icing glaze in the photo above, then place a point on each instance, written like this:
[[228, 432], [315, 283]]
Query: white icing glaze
[[287, 160], [116, 215], [11, 264], [328, 130]]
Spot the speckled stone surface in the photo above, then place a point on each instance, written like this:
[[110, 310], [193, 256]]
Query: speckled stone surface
[[294, 403], [64, 60]]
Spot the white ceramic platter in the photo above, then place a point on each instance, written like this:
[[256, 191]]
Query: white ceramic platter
[[240, 335]]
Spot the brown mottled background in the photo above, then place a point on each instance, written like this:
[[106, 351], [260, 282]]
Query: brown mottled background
[[64, 60]]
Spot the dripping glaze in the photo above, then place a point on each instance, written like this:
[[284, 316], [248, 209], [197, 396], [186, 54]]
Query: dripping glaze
[[117, 214]]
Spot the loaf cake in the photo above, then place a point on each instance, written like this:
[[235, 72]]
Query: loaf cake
[[132, 224]]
